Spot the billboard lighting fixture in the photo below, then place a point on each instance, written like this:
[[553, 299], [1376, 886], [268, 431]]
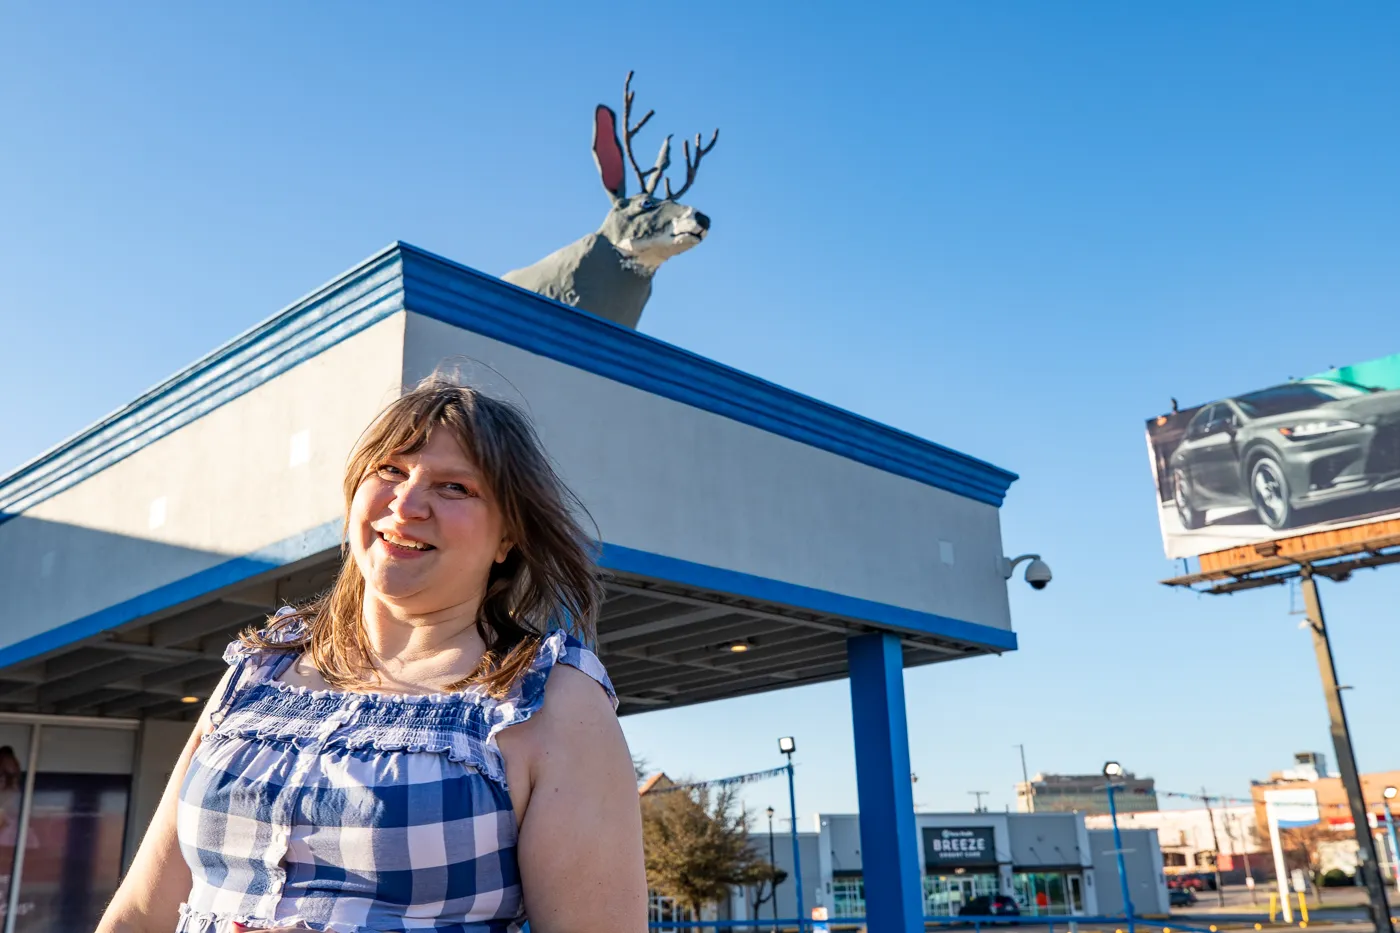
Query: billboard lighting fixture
[[1389, 793]]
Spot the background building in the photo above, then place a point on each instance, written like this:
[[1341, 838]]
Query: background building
[[1310, 773], [1052, 864], [1083, 793], [1189, 846]]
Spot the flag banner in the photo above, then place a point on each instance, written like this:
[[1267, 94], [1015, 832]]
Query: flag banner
[[723, 782]]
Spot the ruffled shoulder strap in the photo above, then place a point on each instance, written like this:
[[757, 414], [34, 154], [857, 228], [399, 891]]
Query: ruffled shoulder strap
[[527, 696], [253, 665]]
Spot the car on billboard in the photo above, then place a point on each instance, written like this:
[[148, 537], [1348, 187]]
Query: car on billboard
[[1285, 448]]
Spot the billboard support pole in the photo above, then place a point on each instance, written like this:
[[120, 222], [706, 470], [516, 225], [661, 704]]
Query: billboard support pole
[[1280, 863], [1346, 759]]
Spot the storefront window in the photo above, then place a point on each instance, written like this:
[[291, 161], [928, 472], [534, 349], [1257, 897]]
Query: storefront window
[[14, 750], [1048, 893], [77, 825], [945, 895], [848, 897]]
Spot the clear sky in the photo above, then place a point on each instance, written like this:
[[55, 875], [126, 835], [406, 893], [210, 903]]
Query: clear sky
[[1016, 229]]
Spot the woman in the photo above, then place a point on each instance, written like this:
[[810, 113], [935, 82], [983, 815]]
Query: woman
[[429, 746]]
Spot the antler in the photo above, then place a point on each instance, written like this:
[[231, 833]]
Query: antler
[[691, 168], [629, 131], [650, 178]]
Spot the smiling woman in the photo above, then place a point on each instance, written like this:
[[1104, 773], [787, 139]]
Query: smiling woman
[[429, 745]]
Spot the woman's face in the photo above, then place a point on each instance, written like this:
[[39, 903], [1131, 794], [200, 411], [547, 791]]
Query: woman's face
[[424, 529]]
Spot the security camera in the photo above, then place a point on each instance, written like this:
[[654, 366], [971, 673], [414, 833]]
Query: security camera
[[1037, 573]]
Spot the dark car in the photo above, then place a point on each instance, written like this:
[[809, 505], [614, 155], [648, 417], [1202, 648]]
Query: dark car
[[1285, 448], [995, 905], [1181, 897]]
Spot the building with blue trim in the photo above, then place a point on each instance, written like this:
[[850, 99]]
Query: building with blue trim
[[731, 512]]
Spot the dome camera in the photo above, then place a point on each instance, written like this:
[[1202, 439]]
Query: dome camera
[[1037, 573]]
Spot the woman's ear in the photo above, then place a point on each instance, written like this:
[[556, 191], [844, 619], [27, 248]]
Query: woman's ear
[[503, 551]]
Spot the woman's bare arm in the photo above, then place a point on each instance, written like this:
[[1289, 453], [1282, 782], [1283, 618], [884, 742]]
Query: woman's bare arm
[[580, 851], [148, 900]]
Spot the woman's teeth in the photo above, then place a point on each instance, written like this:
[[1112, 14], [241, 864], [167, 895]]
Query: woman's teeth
[[405, 543]]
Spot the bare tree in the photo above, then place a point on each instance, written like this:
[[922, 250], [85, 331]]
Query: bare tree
[[697, 846]]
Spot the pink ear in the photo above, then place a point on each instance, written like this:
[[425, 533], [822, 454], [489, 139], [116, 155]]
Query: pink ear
[[607, 151]]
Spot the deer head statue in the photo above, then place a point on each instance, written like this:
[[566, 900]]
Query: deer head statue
[[609, 272]]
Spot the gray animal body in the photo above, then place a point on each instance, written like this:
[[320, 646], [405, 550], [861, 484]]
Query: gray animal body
[[609, 272]]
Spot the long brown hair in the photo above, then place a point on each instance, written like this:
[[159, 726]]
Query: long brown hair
[[549, 579]]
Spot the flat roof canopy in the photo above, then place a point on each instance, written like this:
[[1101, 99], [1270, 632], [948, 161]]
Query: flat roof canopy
[[665, 644]]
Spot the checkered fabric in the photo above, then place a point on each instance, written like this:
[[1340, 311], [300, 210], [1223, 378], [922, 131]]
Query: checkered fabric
[[357, 812]]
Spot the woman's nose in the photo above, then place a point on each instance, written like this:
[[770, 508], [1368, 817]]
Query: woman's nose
[[410, 500]]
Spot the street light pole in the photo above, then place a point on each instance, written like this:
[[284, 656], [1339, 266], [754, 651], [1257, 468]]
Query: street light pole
[[787, 745], [773, 863], [1389, 795], [1112, 770]]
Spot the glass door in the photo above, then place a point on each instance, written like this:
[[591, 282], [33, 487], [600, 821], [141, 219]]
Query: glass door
[[75, 828], [1075, 886], [14, 762]]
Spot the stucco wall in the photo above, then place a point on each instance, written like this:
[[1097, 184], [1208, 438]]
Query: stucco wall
[[666, 478], [262, 468]]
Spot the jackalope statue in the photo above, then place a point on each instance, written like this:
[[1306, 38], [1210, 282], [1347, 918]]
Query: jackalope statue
[[609, 272]]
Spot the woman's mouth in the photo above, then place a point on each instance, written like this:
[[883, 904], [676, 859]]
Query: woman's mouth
[[404, 545]]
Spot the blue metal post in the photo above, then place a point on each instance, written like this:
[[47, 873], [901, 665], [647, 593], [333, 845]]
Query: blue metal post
[[1394, 847], [894, 901], [1122, 868], [796, 855]]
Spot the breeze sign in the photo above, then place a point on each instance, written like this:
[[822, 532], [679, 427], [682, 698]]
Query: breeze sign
[[951, 846]]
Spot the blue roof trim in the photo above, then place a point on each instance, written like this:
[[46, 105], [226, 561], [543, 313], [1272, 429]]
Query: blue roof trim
[[614, 557], [363, 296], [403, 276], [228, 573], [646, 564], [460, 296]]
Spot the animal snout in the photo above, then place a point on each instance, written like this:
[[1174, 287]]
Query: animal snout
[[703, 220]]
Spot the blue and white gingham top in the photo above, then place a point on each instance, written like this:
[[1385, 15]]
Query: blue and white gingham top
[[357, 812]]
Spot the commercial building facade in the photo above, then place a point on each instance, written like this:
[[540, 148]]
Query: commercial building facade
[[1051, 864], [1083, 793]]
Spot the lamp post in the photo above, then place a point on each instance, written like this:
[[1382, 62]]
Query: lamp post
[[773, 862], [787, 745], [1112, 770], [1389, 794]]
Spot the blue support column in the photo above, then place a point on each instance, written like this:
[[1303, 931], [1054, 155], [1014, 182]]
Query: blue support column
[[894, 901]]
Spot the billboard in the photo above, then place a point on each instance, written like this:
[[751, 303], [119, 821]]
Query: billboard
[[1307, 455]]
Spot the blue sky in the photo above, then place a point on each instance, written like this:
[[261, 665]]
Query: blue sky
[[1014, 229]]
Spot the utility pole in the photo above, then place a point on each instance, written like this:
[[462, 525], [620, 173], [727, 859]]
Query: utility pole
[[1231, 829], [979, 794], [1026, 780], [1215, 841], [1346, 757]]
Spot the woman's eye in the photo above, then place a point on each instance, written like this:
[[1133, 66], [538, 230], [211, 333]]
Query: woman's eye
[[387, 469], [458, 489]]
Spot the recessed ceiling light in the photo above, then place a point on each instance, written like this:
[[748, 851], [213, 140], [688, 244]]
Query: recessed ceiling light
[[738, 647], [189, 699]]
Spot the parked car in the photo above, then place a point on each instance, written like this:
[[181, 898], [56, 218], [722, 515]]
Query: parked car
[[996, 905], [1281, 449], [1181, 897]]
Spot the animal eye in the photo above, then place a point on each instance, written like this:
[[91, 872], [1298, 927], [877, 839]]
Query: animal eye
[[649, 204]]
